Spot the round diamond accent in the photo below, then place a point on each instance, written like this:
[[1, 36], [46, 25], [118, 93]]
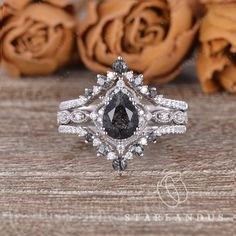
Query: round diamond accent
[[143, 141], [93, 116], [128, 156], [63, 117], [96, 90], [144, 89], [179, 117], [138, 80], [120, 66], [103, 149], [120, 83], [103, 81], [129, 75], [162, 116], [111, 156], [78, 117], [96, 142]]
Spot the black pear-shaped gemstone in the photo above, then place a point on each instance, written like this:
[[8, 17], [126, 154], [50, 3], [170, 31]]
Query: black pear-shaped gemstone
[[120, 118]]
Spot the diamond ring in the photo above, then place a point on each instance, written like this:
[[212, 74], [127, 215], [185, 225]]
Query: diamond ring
[[120, 115]]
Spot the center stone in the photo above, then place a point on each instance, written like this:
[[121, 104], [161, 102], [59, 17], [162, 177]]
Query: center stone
[[120, 118]]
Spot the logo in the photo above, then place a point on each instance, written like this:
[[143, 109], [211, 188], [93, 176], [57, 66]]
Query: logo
[[172, 190]]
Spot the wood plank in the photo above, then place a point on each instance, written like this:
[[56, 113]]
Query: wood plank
[[53, 184]]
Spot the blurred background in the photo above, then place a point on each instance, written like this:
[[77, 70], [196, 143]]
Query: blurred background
[[157, 38]]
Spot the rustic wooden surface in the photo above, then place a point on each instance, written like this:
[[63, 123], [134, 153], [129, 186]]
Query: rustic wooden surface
[[53, 184]]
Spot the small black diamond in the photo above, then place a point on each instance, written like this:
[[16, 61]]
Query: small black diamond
[[103, 149], [137, 149], [89, 137], [103, 81], [120, 66], [88, 93], [152, 138], [152, 92], [138, 80], [119, 164]]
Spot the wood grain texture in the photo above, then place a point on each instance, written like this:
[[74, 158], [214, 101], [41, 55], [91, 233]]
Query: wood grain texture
[[52, 184]]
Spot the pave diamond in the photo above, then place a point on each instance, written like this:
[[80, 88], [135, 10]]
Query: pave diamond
[[66, 129], [93, 116], [170, 129], [103, 149], [102, 80], [128, 156], [96, 142], [144, 89], [120, 118], [63, 117], [179, 117], [129, 75], [162, 116], [73, 103], [120, 83], [138, 80], [111, 75], [78, 116], [171, 103], [111, 156], [143, 141], [96, 90]]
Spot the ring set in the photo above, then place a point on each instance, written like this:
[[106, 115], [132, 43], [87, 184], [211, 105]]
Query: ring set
[[120, 115]]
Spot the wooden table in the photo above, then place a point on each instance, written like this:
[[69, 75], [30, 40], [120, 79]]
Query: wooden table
[[53, 184]]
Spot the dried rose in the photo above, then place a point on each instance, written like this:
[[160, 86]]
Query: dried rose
[[216, 1], [38, 39], [16, 5], [217, 58], [5, 13], [153, 36], [197, 7]]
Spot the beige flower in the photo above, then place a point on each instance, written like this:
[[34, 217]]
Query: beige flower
[[21, 4], [5, 13], [217, 59], [37, 39], [216, 1], [153, 36]]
